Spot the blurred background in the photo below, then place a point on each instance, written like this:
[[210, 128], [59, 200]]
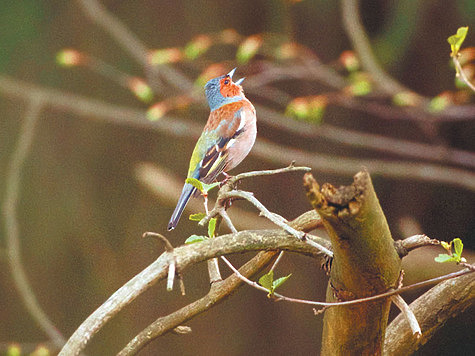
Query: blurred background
[[92, 156]]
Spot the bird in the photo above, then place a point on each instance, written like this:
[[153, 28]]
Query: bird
[[226, 140]]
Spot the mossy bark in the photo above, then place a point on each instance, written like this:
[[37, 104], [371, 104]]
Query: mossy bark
[[365, 263]]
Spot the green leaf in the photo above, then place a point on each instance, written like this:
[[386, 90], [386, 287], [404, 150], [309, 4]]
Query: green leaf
[[197, 217], [267, 280], [41, 351], [13, 350], [361, 88], [456, 40], [279, 281], [443, 257], [208, 187], [195, 183], [438, 104], [211, 227], [197, 47], [458, 247], [194, 238]]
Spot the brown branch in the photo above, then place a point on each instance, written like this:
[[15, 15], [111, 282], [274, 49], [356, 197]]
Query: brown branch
[[407, 313], [433, 309], [185, 256], [358, 139], [167, 188], [265, 150], [12, 228], [218, 293], [365, 263], [125, 38], [323, 163], [355, 31], [403, 247]]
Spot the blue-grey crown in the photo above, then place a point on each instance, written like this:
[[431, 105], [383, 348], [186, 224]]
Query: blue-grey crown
[[213, 94]]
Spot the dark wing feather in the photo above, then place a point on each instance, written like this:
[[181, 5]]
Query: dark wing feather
[[214, 161]]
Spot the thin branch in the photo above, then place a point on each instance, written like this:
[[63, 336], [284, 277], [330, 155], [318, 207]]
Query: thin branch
[[432, 310], [218, 293], [355, 31], [425, 172], [278, 221], [98, 13], [167, 186], [263, 149], [228, 221], [185, 256], [277, 260], [410, 243], [461, 74], [393, 292], [408, 314], [12, 228], [290, 168]]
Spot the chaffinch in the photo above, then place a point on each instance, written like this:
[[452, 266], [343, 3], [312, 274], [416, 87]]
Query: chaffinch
[[226, 139]]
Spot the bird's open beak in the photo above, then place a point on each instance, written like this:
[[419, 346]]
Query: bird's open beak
[[239, 81], [231, 73]]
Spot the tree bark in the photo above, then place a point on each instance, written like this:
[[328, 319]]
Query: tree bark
[[365, 263], [432, 310]]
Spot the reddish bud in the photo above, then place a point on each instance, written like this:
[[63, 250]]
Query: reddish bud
[[350, 61], [141, 89], [165, 55], [157, 111], [69, 58]]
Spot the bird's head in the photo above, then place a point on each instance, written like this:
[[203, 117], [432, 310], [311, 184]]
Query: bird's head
[[222, 90]]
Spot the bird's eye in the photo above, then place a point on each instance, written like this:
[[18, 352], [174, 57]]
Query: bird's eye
[[226, 82]]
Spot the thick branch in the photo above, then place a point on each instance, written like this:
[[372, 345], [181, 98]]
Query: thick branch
[[218, 293], [365, 263], [185, 256], [432, 310]]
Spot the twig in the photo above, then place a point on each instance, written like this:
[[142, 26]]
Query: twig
[[280, 297], [355, 31], [98, 13], [227, 220], [289, 168], [12, 228], [172, 263], [185, 256], [216, 295], [220, 207], [410, 243], [263, 149], [298, 234], [277, 260], [432, 309], [408, 314], [461, 73]]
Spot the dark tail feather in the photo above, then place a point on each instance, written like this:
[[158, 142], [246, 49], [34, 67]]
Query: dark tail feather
[[188, 189]]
